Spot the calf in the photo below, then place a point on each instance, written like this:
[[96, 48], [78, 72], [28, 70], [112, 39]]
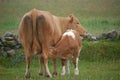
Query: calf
[[68, 47]]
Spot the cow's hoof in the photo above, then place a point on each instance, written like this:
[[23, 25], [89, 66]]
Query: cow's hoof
[[40, 74], [54, 73], [27, 76]]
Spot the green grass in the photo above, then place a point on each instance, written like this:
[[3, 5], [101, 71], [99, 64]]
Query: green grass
[[108, 70], [101, 50], [98, 60]]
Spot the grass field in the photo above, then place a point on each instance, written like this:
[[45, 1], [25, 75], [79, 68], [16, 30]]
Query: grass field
[[98, 60], [88, 71]]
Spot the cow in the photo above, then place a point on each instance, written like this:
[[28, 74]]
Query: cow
[[69, 46], [40, 30]]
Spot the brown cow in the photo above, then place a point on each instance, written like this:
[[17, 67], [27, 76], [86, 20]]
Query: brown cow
[[68, 47], [40, 30]]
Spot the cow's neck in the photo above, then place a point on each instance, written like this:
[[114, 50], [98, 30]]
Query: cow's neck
[[63, 24]]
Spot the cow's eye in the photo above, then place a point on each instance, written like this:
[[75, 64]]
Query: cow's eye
[[77, 23]]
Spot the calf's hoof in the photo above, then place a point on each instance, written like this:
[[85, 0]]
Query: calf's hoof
[[63, 73], [76, 72], [68, 72]]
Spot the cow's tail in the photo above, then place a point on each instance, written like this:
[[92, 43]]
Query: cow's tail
[[36, 46], [34, 15]]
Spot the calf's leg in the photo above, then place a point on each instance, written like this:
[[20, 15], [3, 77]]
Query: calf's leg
[[67, 67], [75, 61], [55, 66], [63, 67]]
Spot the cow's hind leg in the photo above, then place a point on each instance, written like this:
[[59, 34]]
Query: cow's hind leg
[[41, 60], [75, 61], [27, 73], [48, 74]]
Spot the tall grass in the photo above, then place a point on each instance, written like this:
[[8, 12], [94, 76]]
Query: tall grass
[[100, 51], [93, 15]]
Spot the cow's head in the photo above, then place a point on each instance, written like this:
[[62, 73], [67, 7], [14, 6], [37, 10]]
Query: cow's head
[[75, 25]]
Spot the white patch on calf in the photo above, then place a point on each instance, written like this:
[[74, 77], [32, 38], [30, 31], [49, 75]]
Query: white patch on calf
[[69, 33]]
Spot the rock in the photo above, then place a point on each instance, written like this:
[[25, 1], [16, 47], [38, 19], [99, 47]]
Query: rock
[[112, 35], [8, 36], [90, 37], [0, 42], [119, 37], [93, 38], [11, 40], [101, 36], [11, 52]]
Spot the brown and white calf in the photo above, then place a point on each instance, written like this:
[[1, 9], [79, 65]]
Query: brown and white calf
[[68, 47]]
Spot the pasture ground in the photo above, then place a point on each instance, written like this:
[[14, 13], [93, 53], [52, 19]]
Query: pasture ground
[[89, 70], [98, 61]]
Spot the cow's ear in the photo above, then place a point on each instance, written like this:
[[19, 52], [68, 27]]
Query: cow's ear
[[71, 18]]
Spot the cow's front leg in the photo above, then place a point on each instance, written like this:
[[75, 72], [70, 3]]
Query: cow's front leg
[[27, 73], [55, 66], [41, 61]]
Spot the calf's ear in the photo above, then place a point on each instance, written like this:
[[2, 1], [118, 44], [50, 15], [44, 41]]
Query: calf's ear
[[71, 18]]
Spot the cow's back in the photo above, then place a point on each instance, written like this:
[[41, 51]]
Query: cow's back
[[39, 29]]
